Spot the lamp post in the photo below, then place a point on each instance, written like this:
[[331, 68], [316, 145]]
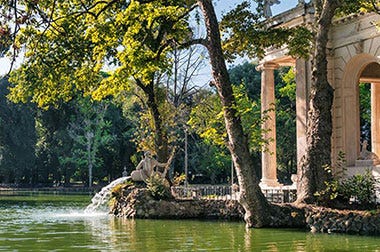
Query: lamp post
[[89, 137], [186, 159]]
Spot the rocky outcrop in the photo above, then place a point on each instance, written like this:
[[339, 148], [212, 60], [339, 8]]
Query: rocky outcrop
[[138, 203], [326, 220]]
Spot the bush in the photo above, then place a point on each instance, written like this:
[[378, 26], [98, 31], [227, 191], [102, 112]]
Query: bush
[[360, 187], [158, 187], [339, 190], [179, 179]]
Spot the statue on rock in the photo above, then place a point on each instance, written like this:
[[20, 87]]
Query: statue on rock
[[146, 168]]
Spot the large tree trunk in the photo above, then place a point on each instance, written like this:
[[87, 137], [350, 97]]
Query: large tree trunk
[[160, 137], [251, 198], [312, 173], [161, 144]]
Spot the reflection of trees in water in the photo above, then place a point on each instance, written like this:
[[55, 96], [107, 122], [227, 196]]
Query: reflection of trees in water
[[111, 232], [119, 234]]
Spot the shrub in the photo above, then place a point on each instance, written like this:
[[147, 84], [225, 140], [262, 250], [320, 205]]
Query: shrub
[[360, 187], [158, 187], [179, 179], [339, 190], [331, 191]]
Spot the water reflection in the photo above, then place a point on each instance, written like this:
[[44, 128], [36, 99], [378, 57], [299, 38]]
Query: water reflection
[[63, 225], [118, 234]]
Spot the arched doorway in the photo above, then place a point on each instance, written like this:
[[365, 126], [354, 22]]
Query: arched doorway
[[361, 68]]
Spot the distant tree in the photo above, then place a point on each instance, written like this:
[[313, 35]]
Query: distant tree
[[247, 75], [365, 111], [53, 142], [286, 124], [89, 131], [17, 140]]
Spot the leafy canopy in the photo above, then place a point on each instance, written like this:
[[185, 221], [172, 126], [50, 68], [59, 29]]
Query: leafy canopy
[[82, 40], [78, 39]]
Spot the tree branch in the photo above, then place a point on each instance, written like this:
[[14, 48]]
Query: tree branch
[[192, 42]]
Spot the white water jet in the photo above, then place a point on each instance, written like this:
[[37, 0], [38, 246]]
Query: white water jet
[[101, 198]]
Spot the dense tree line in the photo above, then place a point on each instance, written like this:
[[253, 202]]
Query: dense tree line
[[50, 146], [53, 143]]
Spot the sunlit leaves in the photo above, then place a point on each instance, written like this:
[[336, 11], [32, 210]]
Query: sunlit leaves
[[246, 34], [131, 39], [207, 119]]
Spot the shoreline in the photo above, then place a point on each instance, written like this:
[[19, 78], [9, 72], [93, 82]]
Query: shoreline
[[137, 203]]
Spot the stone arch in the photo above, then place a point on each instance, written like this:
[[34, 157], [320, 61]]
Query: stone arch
[[350, 104]]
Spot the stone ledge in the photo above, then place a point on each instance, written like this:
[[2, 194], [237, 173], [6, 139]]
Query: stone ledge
[[137, 203], [326, 220]]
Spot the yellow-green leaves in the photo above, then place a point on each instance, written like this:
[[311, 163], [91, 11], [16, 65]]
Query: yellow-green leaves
[[129, 39], [208, 121], [246, 34]]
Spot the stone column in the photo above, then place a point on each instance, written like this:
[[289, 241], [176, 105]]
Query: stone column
[[303, 70], [375, 118], [269, 162]]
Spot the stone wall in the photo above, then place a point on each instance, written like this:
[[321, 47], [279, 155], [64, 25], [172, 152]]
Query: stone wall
[[326, 220], [137, 203]]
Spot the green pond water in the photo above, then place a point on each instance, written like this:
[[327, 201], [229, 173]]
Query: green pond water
[[38, 222]]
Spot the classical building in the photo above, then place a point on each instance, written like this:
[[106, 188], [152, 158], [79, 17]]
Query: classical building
[[354, 57]]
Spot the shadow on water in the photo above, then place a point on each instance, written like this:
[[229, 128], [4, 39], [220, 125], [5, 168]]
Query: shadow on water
[[51, 223]]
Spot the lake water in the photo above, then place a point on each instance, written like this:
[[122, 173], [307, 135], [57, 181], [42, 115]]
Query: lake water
[[37, 222]]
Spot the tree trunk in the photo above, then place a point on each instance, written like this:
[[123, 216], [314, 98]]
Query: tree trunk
[[312, 173], [251, 198], [160, 138]]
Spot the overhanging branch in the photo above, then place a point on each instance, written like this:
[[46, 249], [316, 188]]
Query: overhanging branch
[[192, 42]]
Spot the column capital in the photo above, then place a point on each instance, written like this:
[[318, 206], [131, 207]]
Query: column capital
[[267, 66]]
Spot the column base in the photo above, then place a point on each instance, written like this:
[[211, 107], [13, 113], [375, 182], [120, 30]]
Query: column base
[[269, 183]]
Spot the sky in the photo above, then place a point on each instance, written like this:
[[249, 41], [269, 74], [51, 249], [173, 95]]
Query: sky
[[221, 6]]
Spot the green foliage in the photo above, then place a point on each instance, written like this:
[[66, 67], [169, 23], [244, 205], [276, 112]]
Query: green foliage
[[179, 179], [331, 191], [209, 163], [90, 132], [69, 55], [158, 187], [286, 123], [246, 34], [360, 187], [355, 6], [246, 74], [341, 190], [18, 138], [207, 118], [365, 111]]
